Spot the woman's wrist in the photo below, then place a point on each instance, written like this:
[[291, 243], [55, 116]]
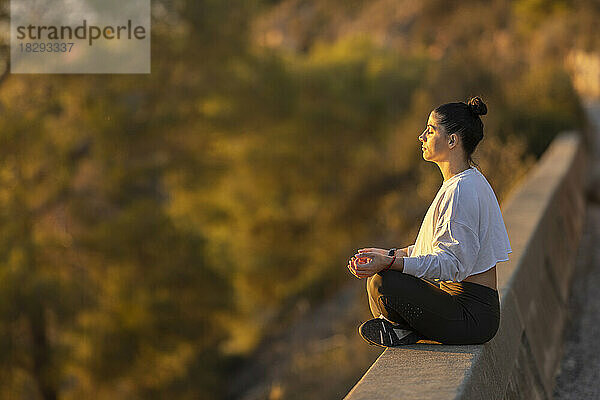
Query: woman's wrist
[[398, 252], [389, 265], [396, 263]]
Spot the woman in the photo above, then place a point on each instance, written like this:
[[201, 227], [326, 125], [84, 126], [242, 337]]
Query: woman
[[443, 287]]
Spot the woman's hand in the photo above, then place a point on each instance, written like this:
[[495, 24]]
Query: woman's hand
[[367, 263], [352, 264], [383, 252]]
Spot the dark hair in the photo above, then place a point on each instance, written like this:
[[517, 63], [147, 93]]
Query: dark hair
[[463, 119]]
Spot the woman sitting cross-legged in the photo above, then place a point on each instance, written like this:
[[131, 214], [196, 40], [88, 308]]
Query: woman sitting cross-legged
[[443, 287]]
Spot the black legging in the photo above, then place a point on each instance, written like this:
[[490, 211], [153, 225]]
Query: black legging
[[453, 313]]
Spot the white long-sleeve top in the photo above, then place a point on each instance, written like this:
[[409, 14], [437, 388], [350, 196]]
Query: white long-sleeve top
[[463, 232]]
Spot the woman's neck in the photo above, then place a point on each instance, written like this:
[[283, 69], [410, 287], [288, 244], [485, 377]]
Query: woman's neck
[[451, 168]]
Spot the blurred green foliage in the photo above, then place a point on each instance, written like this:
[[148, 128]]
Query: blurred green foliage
[[155, 228]]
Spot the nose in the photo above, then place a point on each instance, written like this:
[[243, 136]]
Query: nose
[[422, 137]]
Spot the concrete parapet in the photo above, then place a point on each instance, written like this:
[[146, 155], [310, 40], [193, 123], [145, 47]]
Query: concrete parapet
[[544, 219]]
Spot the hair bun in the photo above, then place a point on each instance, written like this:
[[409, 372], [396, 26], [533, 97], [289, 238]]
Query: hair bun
[[477, 106]]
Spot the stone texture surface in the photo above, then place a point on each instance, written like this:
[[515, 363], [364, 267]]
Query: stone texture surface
[[579, 372], [417, 372]]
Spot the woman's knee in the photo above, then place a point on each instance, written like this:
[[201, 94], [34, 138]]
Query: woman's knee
[[492, 329], [389, 283], [374, 284]]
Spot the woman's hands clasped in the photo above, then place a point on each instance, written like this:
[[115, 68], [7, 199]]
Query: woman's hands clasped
[[369, 261]]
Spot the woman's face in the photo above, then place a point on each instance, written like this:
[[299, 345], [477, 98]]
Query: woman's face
[[434, 141]]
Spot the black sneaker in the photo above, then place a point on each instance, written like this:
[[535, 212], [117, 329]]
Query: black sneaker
[[381, 332]]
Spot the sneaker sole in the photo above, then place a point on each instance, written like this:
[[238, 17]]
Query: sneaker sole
[[369, 329]]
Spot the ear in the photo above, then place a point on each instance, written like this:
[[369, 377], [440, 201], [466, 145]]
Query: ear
[[452, 140]]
